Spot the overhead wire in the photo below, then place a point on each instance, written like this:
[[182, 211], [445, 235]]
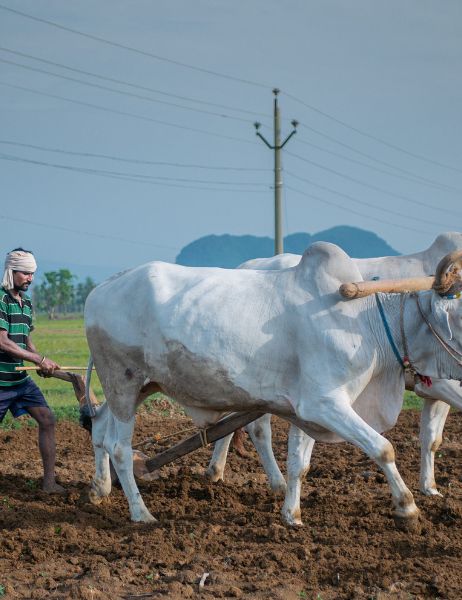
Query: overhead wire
[[122, 92], [355, 212], [368, 204], [132, 85], [130, 160], [125, 113], [413, 176], [135, 50], [86, 233], [136, 177], [427, 182], [367, 185], [228, 77], [401, 174], [371, 136]]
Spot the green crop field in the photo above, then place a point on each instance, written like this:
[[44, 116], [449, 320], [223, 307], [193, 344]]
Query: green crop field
[[64, 341]]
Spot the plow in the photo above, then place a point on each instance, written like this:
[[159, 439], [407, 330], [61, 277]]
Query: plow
[[143, 465]]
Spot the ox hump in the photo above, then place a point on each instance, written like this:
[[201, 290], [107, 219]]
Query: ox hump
[[326, 266]]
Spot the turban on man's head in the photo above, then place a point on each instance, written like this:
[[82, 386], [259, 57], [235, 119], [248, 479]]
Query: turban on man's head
[[17, 260]]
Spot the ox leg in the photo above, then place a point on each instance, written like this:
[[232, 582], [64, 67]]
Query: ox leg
[[215, 470], [337, 415], [298, 463], [118, 443], [261, 436], [101, 484], [432, 420]]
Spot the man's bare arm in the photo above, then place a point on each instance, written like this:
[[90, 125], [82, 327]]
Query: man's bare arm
[[30, 353]]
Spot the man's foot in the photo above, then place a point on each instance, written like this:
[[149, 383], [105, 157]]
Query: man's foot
[[53, 488]]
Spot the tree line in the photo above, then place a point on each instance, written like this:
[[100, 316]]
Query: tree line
[[60, 293]]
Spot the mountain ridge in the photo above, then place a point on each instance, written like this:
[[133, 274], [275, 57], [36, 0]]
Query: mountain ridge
[[229, 250]]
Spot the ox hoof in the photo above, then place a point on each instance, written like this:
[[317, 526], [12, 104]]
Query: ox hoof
[[411, 524], [214, 475], [97, 492], [94, 497], [431, 492], [292, 520], [279, 488], [145, 517]]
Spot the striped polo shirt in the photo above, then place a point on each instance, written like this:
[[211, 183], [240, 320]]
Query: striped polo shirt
[[17, 321]]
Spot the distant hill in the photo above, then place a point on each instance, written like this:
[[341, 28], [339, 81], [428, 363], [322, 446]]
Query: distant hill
[[229, 251]]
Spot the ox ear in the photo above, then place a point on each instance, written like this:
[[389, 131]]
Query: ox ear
[[440, 312]]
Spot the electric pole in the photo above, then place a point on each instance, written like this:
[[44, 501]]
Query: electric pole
[[277, 147]]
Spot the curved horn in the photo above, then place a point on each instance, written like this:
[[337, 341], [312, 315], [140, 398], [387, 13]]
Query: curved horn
[[447, 272]]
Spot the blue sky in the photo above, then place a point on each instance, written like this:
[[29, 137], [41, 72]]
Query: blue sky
[[97, 180]]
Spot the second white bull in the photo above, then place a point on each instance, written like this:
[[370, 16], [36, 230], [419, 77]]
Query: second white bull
[[437, 399]]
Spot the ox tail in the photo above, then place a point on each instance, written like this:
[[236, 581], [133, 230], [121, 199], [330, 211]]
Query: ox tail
[[90, 406]]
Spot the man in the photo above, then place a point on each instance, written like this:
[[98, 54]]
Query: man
[[18, 392]]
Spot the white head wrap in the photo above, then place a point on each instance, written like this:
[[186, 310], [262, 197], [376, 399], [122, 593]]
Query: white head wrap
[[18, 260]]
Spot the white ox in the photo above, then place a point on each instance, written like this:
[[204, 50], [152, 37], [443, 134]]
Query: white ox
[[283, 342], [437, 399]]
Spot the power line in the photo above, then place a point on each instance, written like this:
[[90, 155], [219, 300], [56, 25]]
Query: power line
[[126, 114], [371, 136], [133, 85], [409, 176], [136, 177], [412, 177], [231, 78], [87, 233], [355, 212], [367, 185], [124, 93], [364, 203], [130, 160], [135, 50]]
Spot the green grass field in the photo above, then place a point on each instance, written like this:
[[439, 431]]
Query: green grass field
[[64, 341]]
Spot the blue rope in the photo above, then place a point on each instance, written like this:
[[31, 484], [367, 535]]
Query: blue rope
[[388, 332]]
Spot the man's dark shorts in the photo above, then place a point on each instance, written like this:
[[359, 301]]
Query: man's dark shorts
[[18, 398]]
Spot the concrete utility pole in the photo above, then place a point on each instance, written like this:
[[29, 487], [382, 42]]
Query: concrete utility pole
[[277, 147]]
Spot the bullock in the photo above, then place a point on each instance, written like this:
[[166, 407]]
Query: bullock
[[283, 342], [437, 398]]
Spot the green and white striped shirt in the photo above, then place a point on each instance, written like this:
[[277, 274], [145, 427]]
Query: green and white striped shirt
[[17, 321]]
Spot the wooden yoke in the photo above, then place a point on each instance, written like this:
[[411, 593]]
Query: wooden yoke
[[360, 289]]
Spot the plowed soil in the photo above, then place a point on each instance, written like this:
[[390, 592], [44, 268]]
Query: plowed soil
[[349, 547]]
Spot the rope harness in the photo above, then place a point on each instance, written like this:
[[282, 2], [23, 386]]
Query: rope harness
[[404, 361], [453, 353]]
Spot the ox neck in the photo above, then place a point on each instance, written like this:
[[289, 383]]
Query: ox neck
[[401, 349], [448, 348]]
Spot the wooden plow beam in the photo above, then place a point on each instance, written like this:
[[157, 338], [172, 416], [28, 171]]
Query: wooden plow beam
[[203, 438]]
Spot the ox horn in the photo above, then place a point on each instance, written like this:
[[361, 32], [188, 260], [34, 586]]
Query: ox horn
[[392, 286], [447, 273]]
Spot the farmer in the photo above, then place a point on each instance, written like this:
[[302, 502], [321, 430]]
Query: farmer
[[18, 392]]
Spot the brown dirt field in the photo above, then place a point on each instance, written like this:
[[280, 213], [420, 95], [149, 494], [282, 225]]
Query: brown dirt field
[[63, 547]]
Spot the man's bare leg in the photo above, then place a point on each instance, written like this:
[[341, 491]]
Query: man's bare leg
[[47, 447]]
